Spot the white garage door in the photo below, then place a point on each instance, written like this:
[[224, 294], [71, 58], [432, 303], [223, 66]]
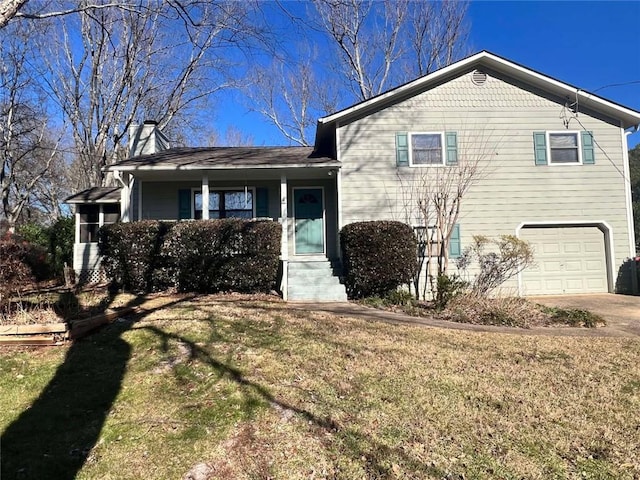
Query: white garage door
[[568, 260]]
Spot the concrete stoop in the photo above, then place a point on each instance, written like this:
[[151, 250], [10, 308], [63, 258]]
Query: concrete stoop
[[316, 281]]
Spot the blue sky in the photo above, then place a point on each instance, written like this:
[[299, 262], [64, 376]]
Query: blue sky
[[587, 44]]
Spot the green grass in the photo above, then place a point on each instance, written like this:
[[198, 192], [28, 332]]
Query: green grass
[[255, 390]]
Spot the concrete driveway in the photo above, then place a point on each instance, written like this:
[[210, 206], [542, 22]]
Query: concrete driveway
[[622, 312]]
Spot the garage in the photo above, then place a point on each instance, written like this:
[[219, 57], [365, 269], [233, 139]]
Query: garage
[[568, 259]]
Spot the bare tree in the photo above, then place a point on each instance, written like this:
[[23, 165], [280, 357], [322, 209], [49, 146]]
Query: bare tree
[[291, 97], [116, 66], [363, 48], [233, 137], [382, 44], [9, 9], [28, 147], [432, 199], [16, 9]]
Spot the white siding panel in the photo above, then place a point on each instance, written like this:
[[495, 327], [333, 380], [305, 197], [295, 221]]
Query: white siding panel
[[494, 125]]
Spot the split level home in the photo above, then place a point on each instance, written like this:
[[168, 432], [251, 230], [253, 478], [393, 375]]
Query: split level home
[[551, 159]]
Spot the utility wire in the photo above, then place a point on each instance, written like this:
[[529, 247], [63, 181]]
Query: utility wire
[[616, 85], [626, 179]]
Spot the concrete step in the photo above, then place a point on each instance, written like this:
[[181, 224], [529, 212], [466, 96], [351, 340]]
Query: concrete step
[[314, 281], [315, 293]]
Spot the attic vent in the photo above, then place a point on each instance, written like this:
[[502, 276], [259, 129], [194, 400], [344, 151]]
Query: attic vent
[[478, 77]]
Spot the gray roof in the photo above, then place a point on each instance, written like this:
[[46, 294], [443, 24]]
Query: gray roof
[[223, 158], [96, 195]]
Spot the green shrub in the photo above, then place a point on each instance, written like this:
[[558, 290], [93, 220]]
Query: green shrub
[[447, 288], [378, 257], [224, 255], [34, 233], [61, 239], [51, 247], [131, 254], [200, 256]]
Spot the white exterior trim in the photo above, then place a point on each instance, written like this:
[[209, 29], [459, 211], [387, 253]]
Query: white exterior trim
[[284, 220], [627, 185], [577, 133], [324, 220], [338, 192], [608, 239], [140, 200], [492, 61], [77, 229], [284, 242], [274, 166], [205, 197]]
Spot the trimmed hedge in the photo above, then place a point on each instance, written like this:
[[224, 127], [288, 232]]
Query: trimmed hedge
[[378, 257], [131, 254], [202, 256], [224, 255]]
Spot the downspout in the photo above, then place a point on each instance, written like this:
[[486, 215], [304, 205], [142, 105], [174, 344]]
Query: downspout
[[125, 197], [627, 182], [629, 201]]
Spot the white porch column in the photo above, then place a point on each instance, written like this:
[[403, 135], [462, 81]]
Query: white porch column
[[284, 253], [125, 197], [339, 208], [205, 197], [284, 249]]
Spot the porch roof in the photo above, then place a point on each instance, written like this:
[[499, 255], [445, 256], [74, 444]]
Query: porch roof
[[96, 195], [227, 158]]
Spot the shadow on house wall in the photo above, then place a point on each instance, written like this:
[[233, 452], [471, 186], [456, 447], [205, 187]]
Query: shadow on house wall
[[628, 280]]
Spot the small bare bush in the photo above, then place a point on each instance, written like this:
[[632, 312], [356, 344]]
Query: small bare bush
[[14, 270], [502, 311], [499, 260]]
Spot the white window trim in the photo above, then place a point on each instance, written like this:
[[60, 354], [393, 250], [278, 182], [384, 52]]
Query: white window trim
[[564, 132], [428, 165], [213, 189]]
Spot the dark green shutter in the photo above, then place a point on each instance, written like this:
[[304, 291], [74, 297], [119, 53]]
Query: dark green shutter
[[184, 204], [402, 150], [455, 248], [452, 148], [588, 154], [262, 202], [540, 146]]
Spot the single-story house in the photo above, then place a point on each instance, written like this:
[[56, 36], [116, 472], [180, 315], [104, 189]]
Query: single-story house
[[553, 158]]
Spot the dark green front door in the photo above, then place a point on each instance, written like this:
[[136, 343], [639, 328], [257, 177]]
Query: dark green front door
[[309, 232]]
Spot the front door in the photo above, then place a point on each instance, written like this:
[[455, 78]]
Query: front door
[[309, 220]]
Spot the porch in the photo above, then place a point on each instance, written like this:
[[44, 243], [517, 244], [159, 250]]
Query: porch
[[285, 184]]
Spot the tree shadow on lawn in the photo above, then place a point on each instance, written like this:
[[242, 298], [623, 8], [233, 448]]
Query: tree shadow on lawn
[[53, 437]]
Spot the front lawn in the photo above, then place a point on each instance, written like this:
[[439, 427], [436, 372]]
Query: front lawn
[[252, 389]]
